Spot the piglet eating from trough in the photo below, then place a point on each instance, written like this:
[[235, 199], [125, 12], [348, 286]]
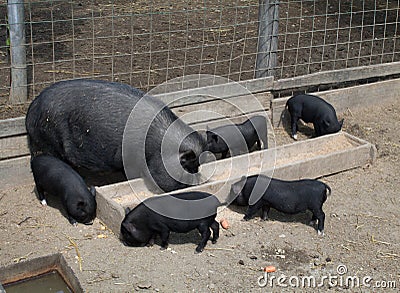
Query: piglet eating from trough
[[56, 178], [238, 138], [290, 197], [313, 109], [181, 213]]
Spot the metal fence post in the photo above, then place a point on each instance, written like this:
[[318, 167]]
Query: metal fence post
[[19, 91], [268, 17]]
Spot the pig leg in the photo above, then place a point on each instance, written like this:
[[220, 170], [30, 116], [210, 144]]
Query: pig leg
[[320, 215], [224, 154], [265, 211], [313, 220], [164, 234], [215, 230], [40, 192], [317, 129], [294, 119], [72, 221], [151, 241], [205, 235]]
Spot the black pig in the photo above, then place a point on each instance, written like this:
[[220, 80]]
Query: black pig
[[313, 109], [238, 138], [179, 213], [82, 122], [58, 179], [289, 197]]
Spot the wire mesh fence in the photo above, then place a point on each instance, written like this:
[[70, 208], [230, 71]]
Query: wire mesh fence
[[144, 43], [325, 35]]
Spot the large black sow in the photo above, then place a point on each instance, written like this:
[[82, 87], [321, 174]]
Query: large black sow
[[82, 123]]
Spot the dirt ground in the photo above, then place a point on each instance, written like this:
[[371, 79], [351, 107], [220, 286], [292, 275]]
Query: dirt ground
[[361, 233]]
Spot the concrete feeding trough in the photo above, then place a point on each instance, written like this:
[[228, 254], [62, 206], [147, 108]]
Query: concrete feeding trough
[[40, 274], [304, 159]]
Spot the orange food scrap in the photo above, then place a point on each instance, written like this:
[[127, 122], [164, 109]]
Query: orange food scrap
[[224, 223], [269, 269]]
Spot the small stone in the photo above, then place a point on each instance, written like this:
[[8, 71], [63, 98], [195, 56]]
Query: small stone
[[241, 262], [211, 286], [144, 285], [253, 257], [328, 259]]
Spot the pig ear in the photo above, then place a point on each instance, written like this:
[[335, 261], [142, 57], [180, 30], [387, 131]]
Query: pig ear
[[127, 210], [238, 186], [129, 226], [93, 191], [214, 137], [341, 123], [187, 156], [203, 134]]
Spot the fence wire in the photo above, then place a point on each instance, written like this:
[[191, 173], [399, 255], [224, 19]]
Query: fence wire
[[321, 35], [144, 43]]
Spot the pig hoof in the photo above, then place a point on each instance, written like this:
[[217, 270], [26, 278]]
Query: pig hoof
[[321, 233], [73, 222], [197, 251], [43, 202], [294, 136]]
